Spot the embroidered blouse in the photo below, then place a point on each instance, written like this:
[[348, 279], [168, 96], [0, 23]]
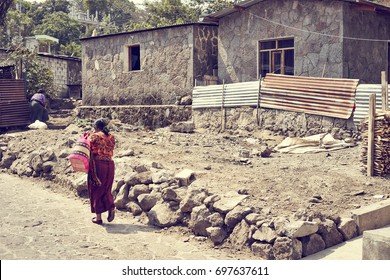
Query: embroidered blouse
[[102, 146]]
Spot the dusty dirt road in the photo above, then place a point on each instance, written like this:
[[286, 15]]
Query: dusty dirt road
[[38, 223]]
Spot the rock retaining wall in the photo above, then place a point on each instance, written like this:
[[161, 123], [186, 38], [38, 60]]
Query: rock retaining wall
[[145, 116], [286, 123]]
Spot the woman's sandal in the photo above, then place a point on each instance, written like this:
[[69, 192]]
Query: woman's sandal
[[99, 222], [111, 215]]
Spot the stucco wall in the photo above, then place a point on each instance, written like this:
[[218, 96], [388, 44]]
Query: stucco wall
[[365, 59], [240, 32], [167, 67]]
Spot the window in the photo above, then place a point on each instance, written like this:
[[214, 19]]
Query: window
[[134, 58], [276, 56]]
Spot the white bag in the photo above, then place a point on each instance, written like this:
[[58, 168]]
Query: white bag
[[38, 125]]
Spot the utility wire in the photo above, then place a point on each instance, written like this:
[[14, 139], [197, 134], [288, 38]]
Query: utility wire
[[318, 33]]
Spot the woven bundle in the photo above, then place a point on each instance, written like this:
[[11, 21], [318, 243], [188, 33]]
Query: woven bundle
[[381, 144]]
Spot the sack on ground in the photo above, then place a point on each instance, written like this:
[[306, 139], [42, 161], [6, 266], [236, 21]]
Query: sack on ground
[[79, 158], [38, 125]]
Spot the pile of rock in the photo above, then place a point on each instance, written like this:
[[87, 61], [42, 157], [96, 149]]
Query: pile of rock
[[169, 199]]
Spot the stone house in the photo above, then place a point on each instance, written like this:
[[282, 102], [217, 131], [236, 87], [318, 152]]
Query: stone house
[[318, 38], [147, 67]]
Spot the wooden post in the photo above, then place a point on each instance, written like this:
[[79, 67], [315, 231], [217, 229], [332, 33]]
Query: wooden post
[[258, 103], [223, 110], [371, 136], [385, 90]]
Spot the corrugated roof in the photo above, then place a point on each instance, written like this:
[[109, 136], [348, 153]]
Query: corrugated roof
[[245, 4], [150, 29]]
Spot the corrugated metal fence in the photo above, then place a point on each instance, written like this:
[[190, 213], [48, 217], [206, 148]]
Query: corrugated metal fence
[[318, 96], [362, 100], [14, 107]]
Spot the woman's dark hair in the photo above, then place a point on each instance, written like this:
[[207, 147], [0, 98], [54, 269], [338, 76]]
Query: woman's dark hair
[[101, 124]]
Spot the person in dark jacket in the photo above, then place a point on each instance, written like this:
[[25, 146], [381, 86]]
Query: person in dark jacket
[[38, 107]]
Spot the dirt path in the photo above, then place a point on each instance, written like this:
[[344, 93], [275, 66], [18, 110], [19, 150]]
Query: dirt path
[[38, 223]]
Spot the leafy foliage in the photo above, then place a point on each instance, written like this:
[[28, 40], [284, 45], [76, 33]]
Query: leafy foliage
[[4, 6], [60, 26], [71, 49], [37, 74]]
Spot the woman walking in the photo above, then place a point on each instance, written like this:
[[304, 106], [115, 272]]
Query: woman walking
[[101, 172]]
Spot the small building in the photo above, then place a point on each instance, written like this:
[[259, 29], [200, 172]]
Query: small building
[[316, 38], [66, 72], [154, 66]]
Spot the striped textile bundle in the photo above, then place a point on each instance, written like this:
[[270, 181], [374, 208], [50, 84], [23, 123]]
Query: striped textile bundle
[[79, 158]]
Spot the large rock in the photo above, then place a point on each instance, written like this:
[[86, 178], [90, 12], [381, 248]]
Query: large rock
[[240, 235], [263, 250], [48, 166], [144, 177], [136, 190], [216, 234], [122, 197], [131, 179], [162, 215], [185, 177], [253, 218], [329, 233], [312, 244], [216, 219], [300, 228], [80, 184], [148, 200], [48, 155], [265, 234], [134, 208], [162, 176], [348, 228], [235, 216], [194, 197], [36, 162], [228, 202], [183, 127], [198, 221], [170, 194], [286, 248]]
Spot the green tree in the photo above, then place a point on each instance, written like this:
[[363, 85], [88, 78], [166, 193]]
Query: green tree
[[98, 7], [71, 49], [165, 13], [4, 6], [211, 6], [16, 25], [121, 12], [38, 11], [60, 26]]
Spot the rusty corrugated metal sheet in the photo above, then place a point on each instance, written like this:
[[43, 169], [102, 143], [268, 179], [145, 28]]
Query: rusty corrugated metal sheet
[[14, 107], [318, 96]]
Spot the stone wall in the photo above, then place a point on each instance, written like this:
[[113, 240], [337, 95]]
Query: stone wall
[[240, 32], [281, 122], [364, 59], [167, 65], [145, 116]]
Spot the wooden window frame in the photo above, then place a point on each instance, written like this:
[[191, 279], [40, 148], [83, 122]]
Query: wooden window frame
[[271, 53], [128, 58]]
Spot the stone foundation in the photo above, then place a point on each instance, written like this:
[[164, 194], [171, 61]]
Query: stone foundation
[[146, 116], [282, 122]]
